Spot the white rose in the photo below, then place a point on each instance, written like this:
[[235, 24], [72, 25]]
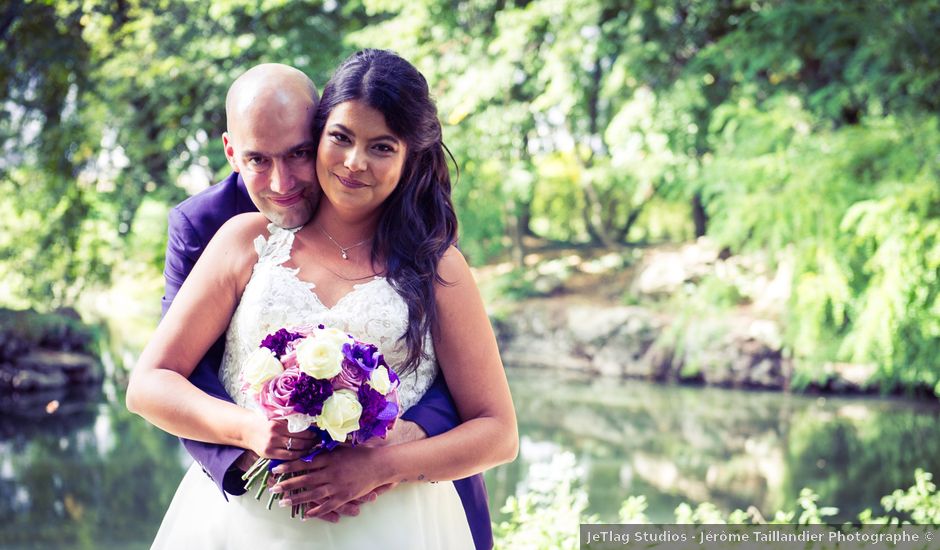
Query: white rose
[[319, 357], [334, 337], [340, 414], [260, 367], [380, 381]]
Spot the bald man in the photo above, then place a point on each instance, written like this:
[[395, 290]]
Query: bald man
[[269, 111], [269, 145]]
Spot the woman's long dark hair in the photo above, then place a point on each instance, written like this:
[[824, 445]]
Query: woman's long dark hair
[[417, 223]]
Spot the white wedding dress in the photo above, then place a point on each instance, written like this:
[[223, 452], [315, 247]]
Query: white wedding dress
[[412, 516]]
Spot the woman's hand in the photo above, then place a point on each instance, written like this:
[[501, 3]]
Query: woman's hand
[[271, 439], [333, 479]]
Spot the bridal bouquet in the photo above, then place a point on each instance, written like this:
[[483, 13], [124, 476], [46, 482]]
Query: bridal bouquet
[[323, 380]]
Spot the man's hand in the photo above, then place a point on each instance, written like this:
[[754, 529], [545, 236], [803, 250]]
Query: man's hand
[[404, 431], [350, 508], [246, 461]]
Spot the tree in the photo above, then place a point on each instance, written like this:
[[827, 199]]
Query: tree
[[107, 104]]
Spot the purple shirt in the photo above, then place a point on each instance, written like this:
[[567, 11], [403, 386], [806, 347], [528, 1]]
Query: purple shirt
[[192, 224]]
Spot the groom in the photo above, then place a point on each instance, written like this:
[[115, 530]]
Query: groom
[[277, 100]]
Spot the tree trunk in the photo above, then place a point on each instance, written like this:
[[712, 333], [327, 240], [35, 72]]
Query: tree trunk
[[594, 217], [699, 216], [515, 231]]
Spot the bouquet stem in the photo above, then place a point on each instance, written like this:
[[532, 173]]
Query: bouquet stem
[[276, 496], [258, 469], [260, 463], [263, 484]]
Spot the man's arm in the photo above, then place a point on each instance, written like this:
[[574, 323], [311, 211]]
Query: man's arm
[[184, 246], [435, 413]]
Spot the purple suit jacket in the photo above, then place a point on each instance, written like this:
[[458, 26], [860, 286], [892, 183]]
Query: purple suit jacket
[[191, 225]]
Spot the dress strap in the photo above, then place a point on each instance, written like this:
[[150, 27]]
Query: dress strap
[[275, 250]]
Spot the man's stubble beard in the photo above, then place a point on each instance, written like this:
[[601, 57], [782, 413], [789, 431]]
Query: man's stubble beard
[[298, 215]]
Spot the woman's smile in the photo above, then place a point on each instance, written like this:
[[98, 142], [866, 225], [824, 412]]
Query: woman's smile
[[359, 159], [350, 182]]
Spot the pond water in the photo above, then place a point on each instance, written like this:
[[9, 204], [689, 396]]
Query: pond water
[[83, 472]]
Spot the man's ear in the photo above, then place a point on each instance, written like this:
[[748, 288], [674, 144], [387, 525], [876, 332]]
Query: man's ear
[[229, 151]]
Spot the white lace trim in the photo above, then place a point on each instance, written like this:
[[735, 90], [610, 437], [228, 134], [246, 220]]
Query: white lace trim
[[276, 298]]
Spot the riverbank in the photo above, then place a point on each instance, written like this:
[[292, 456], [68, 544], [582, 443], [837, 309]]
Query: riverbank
[[688, 314], [736, 351], [46, 352]]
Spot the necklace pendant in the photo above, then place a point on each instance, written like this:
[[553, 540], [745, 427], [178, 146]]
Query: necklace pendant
[[345, 256]]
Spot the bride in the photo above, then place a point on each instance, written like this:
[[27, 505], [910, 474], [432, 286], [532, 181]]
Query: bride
[[378, 261]]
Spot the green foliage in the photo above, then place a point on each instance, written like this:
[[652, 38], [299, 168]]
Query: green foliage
[[542, 279], [148, 237], [857, 208], [64, 236], [896, 300], [805, 129], [107, 105], [547, 515], [24, 329], [920, 502], [719, 292], [557, 199], [663, 221]]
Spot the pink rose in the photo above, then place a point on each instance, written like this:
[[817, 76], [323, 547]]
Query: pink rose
[[289, 360], [350, 377], [274, 398]]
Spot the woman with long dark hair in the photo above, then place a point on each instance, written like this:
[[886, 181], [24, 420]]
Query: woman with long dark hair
[[378, 261]]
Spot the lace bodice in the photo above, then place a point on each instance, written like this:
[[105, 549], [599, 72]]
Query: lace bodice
[[276, 298]]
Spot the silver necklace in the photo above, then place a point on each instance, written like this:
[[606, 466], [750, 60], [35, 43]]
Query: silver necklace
[[343, 250]]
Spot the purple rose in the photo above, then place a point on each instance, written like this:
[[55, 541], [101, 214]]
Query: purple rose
[[362, 359], [309, 394], [278, 341]]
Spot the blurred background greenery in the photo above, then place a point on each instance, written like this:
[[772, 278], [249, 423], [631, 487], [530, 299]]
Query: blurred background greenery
[[804, 131]]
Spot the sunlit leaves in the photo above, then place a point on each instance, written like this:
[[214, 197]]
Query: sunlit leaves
[[108, 103], [803, 129]]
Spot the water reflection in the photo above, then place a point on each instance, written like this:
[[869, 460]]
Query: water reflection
[[85, 473], [732, 448], [88, 475]]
